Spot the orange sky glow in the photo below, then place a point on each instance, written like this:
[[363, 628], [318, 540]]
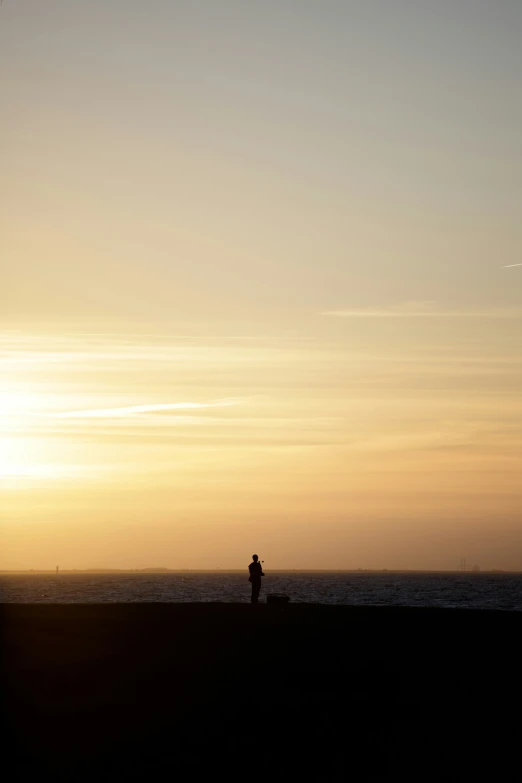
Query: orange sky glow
[[260, 285]]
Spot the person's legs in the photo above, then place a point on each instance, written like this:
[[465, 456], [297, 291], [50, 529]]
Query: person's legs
[[256, 586]]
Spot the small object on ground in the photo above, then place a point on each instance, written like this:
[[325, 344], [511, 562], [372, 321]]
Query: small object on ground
[[277, 599]]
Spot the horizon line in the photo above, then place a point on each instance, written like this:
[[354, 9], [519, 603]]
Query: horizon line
[[160, 570]]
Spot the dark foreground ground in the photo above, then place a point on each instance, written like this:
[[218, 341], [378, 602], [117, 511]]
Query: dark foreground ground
[[235, 692]]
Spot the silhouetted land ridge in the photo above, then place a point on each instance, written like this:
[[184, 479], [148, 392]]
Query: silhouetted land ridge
[[135, 691], [242, 571]]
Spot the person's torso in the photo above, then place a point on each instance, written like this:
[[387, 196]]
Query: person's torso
[[255, 570]]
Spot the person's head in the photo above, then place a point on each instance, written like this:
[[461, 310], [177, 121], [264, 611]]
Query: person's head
[[255, 558]]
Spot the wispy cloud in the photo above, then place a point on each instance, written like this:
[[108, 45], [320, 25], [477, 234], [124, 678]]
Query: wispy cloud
[[509, 266], [419, 310], [129, 410]]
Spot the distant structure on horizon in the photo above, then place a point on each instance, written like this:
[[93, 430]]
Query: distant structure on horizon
[[463, 564], [476, 569], [57, 568]]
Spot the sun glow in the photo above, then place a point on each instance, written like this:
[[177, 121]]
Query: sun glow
[[26, 458], [24, 455]]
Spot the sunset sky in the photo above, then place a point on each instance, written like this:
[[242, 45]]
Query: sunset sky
[[261, 283]]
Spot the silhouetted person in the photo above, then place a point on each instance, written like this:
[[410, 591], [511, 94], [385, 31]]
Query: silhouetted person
[[256, 572]]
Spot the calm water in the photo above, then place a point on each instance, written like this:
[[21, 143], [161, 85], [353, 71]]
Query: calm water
[[480, 591]]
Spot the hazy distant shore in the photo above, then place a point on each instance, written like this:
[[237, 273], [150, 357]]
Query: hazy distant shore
[[242, 570]]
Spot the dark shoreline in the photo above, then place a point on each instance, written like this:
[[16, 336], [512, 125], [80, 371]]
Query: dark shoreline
[[134, 691]]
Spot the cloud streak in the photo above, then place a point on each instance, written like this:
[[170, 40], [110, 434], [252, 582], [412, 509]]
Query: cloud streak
[[129, 410], [509, 266], [419, 310]]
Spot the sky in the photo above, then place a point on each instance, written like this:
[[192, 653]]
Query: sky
[[261, 283]]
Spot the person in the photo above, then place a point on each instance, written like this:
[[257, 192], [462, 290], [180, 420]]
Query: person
[[256, 572]]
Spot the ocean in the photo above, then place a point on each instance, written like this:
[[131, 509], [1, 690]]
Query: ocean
[[477, 591]]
